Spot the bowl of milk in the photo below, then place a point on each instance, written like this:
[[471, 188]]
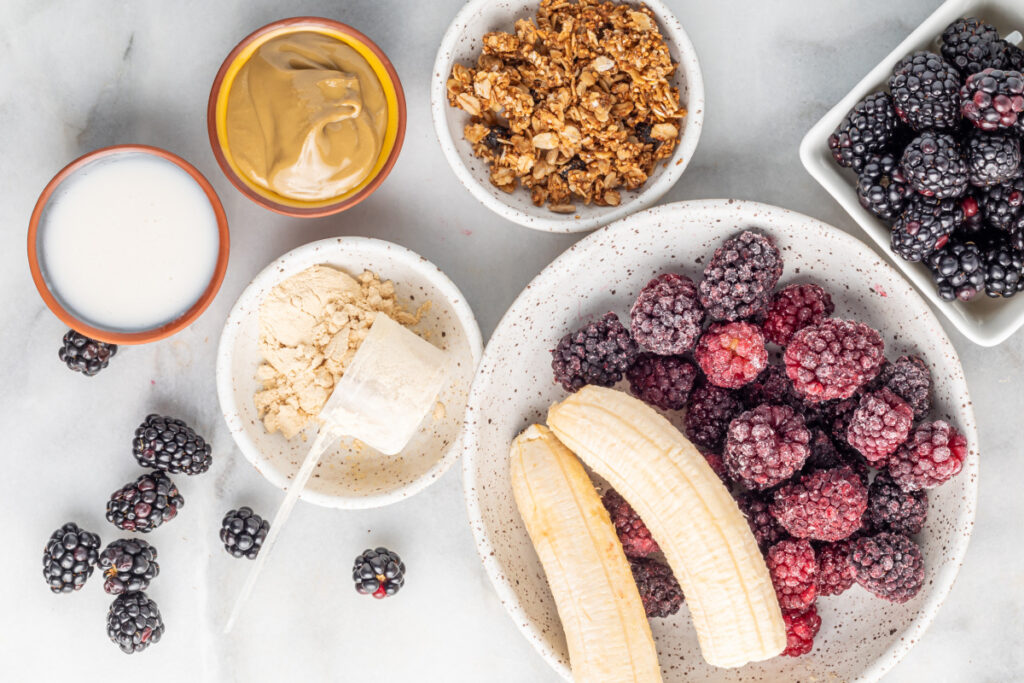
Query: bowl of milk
[[128, 244]]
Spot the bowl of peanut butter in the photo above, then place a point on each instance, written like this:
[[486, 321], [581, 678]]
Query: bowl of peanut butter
[[306, 116]]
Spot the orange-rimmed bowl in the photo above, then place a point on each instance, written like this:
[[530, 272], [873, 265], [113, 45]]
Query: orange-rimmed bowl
[[216, 115], [143, 336]]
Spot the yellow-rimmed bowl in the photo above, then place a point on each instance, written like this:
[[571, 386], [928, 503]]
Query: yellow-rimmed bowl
[[216, 115]]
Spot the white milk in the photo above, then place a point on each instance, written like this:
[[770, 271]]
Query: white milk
[[129, 242]]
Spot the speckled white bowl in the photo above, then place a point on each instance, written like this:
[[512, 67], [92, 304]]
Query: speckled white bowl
[[461, 43], [348, 477], [861, 636]]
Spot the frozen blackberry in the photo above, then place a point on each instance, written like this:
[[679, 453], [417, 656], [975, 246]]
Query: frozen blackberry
[[85, 355], [881, 187], [992, 158], [598, 353], [958, 271], [993, 99], [667, 315], [934, 454], [739, 278], [128, 564], [134, 622], [766, 529], [824, 454], [69, 558], [771, 386], [890, 508], [967, 44], [925, 227], [926, 92], [662, 381], [144, 504], [869, 127], [833, 359], [708, 414], [794, 308], [717, 464], [879, 425], [801, 627], [380, 573], [1004, 268], [794, 570], [633, 533], [167, 444], [835, 573], [242, 532], [934, 165], [659, 591], [1001, 204], [766, 445], [888, 565], [823, 505], [732, 354], [910, 379]]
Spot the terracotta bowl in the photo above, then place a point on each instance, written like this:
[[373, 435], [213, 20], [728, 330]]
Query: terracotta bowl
[[117, 337], [394, 136]]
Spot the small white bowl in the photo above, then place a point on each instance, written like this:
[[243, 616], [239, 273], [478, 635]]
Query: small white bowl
[[347, 477], [984, 321], [461, 44]]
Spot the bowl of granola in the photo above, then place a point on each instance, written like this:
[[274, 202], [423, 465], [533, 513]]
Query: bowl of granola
[[566, 115]]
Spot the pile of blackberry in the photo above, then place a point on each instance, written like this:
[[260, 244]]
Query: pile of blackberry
[[938, 159]]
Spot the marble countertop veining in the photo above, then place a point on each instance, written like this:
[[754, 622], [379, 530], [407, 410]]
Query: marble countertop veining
[[76, 76]]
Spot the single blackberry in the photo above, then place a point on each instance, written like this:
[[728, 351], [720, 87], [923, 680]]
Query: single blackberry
[[1001, 204], [732, 354], [128, 564], [794, 570], [766, 445], [496, 136], [598, 353], [134, 622], [766, 529], [740, 277], [794, 308], [771, 386], [888, 565], [890, 508], [380, 573], [69, 557], [934, 454], [85, 355], [1005, 57], [957, 271], [869, 127], [833, 359], [574, 164], [659, 590], [708, 414], [167, 444], [801, 627], [835, 573], [967, 44], [934, 165], [824, 505], [1003, 266], [925, 226], [926, 92], [242, 532], [667, 315], [910, 379], [992, 158], [144, 504], [993, 99], [662, 381], [824, 454], [881, 187], [633, 533], [879, 425]]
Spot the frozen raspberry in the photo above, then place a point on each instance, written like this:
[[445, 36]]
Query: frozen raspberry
[[824, 505], [793, 309], [910, 379], [889, 565], [879, 425], [667, 316], [833, 359], [835, 573], [890, 508], [633, 533], [732, 354], [934, 453], [801, 627], [662, 381], [794, 573], [767, 530], [739, 278], [708, 414], [597, 354], [766, 445], [771, 386], [659, 591]]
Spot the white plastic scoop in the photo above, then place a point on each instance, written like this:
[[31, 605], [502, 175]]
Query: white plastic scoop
[[386, 391]]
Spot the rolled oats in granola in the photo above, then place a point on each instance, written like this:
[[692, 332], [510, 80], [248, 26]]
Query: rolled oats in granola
[[574, 105]]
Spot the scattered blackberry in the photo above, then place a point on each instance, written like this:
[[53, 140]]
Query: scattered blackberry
[[380, 573], [869, 127], [85, 355], [144, 504], [934, 454], [833, 359], [68, 558], [739, 278], [766, 445], [598, 353], [167, 444], [879, 425], [732, 354], [992, 158], [1004, 268], [134, 622], [889, 565], [794, 570], [574, 164], [993, 99], [824, 505], [495, 137], [881, 187], [667, 315], [659, 591], [1001, 204], [708, 414], [910, 379], [242, 532], [662, 381], [934, 165], [794, 308], [967, 44], [771, 386], [926, 92], [835, 573], [925, 226], [957, 271], [801, 627], [766, 529], [128, 564], [633, 533], [890, 508]]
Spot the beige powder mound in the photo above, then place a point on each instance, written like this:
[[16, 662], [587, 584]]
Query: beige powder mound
[[310, 328]]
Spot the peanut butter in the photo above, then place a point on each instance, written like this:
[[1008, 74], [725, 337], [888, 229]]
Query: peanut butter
[[306, 117]]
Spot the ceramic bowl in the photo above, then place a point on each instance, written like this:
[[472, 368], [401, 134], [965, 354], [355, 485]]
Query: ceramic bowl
[[461, 43], [350, 477], [861, 636], [984, 321]]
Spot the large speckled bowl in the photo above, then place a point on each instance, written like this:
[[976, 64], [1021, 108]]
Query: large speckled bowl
[[861, 636], [350, 476]]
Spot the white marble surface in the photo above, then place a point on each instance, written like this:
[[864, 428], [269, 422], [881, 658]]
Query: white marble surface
[[78, 75]]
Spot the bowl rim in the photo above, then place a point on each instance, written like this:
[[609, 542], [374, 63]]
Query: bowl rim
[[273, 273], [506, 591], [297, 24], [156, 333], [674, 34]]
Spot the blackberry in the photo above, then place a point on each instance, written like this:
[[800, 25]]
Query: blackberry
[[835, 573], [824, 505], [739, 278], [934, 165], [824, 454], [167, 444], [662, 381], [659, 590], [1004, 56], [925, 226], [496, 136], [766, 529], [766, 445], [888, 565], [732, 354], [574, 164], [380, 573], [801, 627], [967, 44], [793, 570], [992, 158], [794, 308], [667, 315], [242, 532], [633, 533], [890, 508], [128, 564], [85, 355], [833, 359], [926, 92], [134, 622], [957, 271], [934, 454], [717, 465], [1001, 204], [910, 379], [598, 353], [879, 425], [869, 127], [881, 187], [69, 557], [771, 386], [708, 414], [1004, 268], [993, 99], [974, 219], [144, 504]]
